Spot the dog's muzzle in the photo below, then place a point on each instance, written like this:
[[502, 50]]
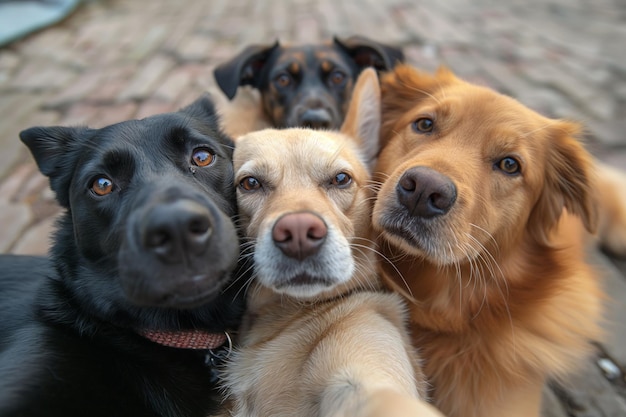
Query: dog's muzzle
[[178, 252]]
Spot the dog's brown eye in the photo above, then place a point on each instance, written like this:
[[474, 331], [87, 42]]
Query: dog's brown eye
[[509, 165], [423, 125], [283, 80], [202, 157], [341, 180], [337, 77], [250, 184], [102, 186]]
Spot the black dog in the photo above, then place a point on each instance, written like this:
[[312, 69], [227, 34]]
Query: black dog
[[138, 294], [308, 85]]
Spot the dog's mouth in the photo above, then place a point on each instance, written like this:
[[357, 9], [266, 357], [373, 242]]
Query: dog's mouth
[[187, 296], [304, 280], [303, 286], [424, 238], [169, 291], [394, 219]]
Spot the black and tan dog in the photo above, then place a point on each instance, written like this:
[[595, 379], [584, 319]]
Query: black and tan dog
[[306, 85], [138, 291]]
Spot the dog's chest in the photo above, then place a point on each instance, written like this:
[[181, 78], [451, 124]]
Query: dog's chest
[[269, 364]]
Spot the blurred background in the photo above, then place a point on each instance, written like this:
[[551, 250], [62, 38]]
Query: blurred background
[[96, 62]]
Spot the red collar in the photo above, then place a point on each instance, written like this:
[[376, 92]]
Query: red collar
[[186, 339]]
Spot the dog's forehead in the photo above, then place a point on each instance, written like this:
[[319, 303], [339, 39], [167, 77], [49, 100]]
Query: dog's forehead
[[296, 148], [160, 131], [484, 109], [312, 56]]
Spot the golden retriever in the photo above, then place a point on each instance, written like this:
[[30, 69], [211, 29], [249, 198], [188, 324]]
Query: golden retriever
[[320, 337], [480, 208]]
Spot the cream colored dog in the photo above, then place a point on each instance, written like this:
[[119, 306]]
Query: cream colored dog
[[320, 337]]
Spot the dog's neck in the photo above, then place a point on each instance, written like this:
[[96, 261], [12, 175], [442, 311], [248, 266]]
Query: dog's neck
[[458, 296]]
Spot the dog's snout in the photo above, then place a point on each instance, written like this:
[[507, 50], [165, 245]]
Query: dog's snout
[[173, 229], [317, 118], [426, 192], [299, 235]]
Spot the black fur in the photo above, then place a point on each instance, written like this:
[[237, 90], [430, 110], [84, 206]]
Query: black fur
[[157, 252], [306, 85]]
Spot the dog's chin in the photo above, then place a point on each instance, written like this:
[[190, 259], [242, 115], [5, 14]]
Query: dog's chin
[[192, 292], [423, 239], [303, 286], [186, 301]]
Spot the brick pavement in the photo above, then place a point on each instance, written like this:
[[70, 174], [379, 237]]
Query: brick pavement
[[113, 60]]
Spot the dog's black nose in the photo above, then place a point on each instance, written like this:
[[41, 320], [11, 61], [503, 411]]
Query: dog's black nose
[[171, 230], [316, 119], [299, 235], [426, 192]]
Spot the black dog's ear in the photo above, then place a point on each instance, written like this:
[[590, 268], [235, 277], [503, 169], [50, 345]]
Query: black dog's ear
[[243, 69], [368, 53], [202, 108], [52, 149]]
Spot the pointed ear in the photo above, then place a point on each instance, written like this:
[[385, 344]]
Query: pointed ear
[[368, 53], [363, 117], [52, 148], [243, 69], [568, 182], [202, 108]]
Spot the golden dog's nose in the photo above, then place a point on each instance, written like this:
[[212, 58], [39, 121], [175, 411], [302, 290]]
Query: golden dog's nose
[[299, 235], [425, 192]]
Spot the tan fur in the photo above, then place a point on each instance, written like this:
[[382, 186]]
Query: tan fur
[[242, 114], [611, 192], [500, 295], [343, 350]]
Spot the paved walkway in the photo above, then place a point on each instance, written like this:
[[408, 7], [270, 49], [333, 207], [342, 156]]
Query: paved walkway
[[113, 60]]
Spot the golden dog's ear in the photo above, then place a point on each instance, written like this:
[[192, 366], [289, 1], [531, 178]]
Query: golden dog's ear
[[404, 88], [568, 182], [363, 117]]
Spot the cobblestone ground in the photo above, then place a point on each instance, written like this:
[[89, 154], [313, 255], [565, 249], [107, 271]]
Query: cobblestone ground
[[114, 60]]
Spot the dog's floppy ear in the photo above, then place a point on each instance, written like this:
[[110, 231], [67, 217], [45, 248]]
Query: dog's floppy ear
[[243, 69], [368, 53], [52, 149], [569, 180], [202, 108], [363, 117]]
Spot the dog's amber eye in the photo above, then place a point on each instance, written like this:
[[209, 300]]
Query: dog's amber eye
[[283, 79], [337, 77], [341, 180], [423, 125], [202, 157], [250, 184], [102, 186], [509, 165]]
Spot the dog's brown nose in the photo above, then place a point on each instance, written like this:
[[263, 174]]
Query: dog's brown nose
[[426, 192], [173, 229], [299, 235]]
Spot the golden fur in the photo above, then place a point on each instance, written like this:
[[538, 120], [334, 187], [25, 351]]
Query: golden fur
[[320, 337], [500, 296]]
